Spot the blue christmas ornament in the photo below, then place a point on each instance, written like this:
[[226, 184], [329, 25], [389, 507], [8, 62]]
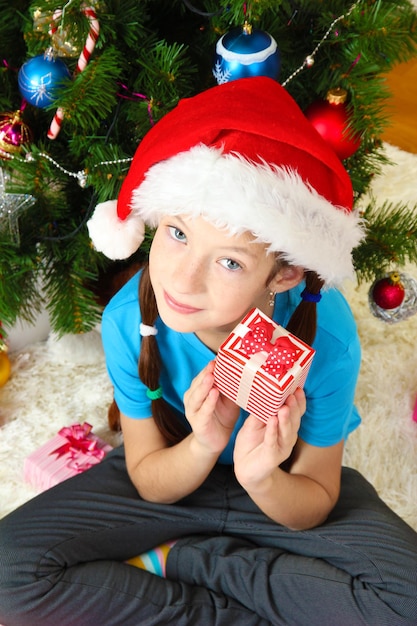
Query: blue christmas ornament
[[245, 52], [40, 77]]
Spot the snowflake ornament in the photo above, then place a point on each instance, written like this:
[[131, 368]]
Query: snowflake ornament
[[220, 75]]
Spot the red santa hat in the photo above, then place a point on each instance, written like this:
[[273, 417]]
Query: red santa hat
[[243, 156]]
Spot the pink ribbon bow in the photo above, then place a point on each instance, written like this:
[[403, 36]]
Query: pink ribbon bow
[[282, 354], [78, 440]]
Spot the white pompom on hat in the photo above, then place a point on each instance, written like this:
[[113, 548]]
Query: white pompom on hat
[[117, 238], [243, 156]]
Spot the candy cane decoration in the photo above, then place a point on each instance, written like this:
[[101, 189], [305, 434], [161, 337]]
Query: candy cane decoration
[[83, 59]]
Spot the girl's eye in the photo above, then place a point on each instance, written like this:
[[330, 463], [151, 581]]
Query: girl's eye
[[229, 264], [176, 233]]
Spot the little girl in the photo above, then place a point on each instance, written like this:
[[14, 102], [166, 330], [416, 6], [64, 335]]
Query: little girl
[[234, 521]]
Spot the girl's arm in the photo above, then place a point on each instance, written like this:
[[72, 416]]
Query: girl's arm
[[161, 473], [302, 495], [167, 474]]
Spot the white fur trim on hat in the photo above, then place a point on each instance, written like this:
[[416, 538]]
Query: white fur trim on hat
[[117, 239], [272, 202]]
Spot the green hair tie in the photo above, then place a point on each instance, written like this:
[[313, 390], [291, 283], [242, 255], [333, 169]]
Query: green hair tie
[[155, 394]]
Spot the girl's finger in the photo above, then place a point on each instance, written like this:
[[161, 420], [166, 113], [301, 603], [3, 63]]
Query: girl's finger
[[200, 386], [300, 398], [271, 432]]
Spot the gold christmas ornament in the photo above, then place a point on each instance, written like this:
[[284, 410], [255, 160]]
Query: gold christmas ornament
[[65, 43], [41, 20], [5, 366]]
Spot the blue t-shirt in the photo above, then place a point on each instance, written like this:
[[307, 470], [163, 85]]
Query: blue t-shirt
[[330, 386]]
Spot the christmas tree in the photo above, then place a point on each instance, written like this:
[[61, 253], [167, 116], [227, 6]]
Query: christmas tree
[[67, 142]]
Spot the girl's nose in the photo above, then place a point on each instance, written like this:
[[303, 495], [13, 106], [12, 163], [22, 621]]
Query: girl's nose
[[189, 275]]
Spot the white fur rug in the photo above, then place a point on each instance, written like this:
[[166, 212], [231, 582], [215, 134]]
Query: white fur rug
[[56, 383]]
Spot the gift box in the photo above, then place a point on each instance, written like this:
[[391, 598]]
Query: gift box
[[260, 364], [73, 450]]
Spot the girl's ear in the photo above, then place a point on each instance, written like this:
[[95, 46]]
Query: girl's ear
[[286, 278]]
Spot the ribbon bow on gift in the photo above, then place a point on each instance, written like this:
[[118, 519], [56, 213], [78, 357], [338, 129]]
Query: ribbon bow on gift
[[282, 354], [78, 440]]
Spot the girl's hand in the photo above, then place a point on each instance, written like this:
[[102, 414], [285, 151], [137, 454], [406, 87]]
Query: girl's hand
[[211, 415], [260, 448]]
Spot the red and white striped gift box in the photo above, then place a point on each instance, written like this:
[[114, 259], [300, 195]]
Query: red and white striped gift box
[[260, 364]]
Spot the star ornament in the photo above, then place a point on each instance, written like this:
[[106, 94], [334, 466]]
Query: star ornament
[[11, 207]]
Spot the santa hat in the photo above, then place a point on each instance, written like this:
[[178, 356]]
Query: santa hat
[[243, 156]]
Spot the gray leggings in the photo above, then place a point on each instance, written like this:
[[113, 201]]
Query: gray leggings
[[62, 559]]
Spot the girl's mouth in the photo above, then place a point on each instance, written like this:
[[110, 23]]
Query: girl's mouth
[[178, 306]]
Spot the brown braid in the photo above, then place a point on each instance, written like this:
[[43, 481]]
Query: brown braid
[[113, 416], [149, 366], [303, 322]]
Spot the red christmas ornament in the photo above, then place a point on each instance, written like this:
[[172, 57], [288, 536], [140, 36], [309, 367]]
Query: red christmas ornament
[[14, 134], [388, 292], [331, 120]]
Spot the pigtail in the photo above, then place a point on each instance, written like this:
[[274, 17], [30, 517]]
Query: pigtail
[[149, 366], [303, 322], [113, 416]]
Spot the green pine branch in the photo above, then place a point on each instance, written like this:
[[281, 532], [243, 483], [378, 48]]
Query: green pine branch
[[82, 100], [19, 290], [66, 276], [390, 242]]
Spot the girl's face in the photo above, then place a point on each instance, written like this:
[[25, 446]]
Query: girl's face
[[205, 280]]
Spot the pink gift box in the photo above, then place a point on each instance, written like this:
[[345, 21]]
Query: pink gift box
[[73, 450], [260, 364]]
